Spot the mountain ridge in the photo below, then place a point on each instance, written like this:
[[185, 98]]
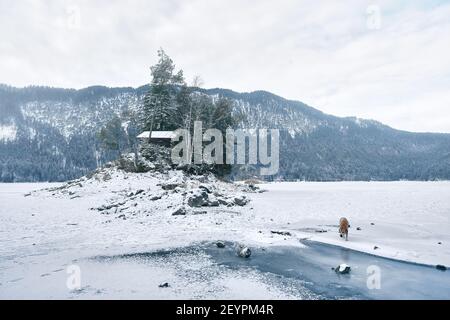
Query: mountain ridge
[[51, 135], [143, 88], [230, 92]]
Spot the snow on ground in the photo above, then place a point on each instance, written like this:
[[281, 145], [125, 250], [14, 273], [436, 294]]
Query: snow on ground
[[44, 232], [405, 220], [115, 213]]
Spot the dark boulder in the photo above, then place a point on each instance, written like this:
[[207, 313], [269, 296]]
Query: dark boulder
[[282, 233], [244, 252], [343, 269], [197, 198], [241, 200], [180, 211], [205, 188], [220, 244]]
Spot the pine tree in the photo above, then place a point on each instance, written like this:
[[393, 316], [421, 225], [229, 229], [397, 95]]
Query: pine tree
[[160, 105], [131, 131], [222, 115], [111, 135], [184, 107]]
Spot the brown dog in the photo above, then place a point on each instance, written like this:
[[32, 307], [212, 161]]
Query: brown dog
[[343, 228]]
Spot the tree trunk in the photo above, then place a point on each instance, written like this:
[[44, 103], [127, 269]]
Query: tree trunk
[[151, 125]]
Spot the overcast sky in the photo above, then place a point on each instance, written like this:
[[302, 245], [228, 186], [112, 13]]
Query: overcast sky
[[384, 60]]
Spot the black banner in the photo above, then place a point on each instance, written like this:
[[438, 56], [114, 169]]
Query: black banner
[[229, 309]]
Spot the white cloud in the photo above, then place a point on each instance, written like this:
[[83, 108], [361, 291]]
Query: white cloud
[[319, 52]]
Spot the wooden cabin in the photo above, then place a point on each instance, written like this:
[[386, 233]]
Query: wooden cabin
[[163, 138]]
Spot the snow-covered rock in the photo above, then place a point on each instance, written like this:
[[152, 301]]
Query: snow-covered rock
[[172, 183], [241, 200], [243, 251], [342, 269], [220, 244], [197, 198], [179, 211], [156, 192], [212, 201]]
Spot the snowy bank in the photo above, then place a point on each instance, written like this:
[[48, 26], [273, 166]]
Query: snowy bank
[[407, 221]]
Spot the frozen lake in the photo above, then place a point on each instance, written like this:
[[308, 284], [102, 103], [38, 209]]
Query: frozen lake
[[311, 268], [43, 235], [303, 273], [203, 271]]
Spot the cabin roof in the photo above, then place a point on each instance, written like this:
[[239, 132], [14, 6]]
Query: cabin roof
[[157, 135]]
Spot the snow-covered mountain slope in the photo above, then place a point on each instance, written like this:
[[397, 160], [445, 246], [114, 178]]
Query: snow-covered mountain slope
[[55, 137], [8, 132]]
